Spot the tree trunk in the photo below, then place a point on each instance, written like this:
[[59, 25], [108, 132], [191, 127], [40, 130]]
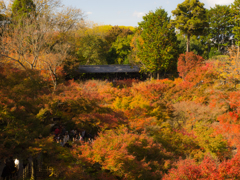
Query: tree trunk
[[54, 85], [188, 43], [158, 76], [32, 168], [237, 63], [208, 49]]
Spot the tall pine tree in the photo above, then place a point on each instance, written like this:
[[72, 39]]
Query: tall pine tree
[[159, 50], [190, 18]]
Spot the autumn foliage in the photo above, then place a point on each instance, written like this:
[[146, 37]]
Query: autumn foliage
[[209, 168], [187, 62], [128, 155], [158, 129], [183, 128]]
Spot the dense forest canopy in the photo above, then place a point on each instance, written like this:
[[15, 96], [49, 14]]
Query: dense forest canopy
[[183, 127]]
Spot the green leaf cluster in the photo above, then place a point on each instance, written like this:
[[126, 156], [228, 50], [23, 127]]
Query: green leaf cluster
[[236, 18], [190, 19], [159, 50], [220, 25], [121, 49]]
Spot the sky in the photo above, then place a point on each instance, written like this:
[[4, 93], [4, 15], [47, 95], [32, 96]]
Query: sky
[[128, 12]]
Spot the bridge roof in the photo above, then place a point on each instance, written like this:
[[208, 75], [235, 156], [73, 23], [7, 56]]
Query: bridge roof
[[108, 69]]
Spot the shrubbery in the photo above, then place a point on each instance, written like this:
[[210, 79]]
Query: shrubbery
[[141, 128]]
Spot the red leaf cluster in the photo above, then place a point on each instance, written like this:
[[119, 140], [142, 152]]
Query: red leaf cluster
[[209, 168], [187, 62]]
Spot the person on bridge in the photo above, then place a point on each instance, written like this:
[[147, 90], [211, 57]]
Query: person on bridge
[[57, 131]]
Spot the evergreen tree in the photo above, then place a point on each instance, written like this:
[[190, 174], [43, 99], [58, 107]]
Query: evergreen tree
[[220, 26], [197, 43], [159, 50], [111, 38], [121, 49], [236, 19], [190, 18], [92, 51]]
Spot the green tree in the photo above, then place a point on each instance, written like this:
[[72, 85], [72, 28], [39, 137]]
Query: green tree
[[22, 7], [120, 50], [190, 18], [220, 26], [115, 32], [197, 45], [236, 22], [236, 19], [159, 50], [91, 51], [115, 37]]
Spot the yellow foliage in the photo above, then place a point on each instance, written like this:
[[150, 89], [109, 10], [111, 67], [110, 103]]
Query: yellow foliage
[[177, 80], [131, 102], [98, 29], [121, 103], [139, 101], [134, 47], [229, 70]]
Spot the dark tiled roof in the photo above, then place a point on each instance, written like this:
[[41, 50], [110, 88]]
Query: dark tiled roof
[[108, 69]]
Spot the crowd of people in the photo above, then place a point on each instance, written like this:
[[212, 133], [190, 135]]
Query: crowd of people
[[10, 169], [63, 137]]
